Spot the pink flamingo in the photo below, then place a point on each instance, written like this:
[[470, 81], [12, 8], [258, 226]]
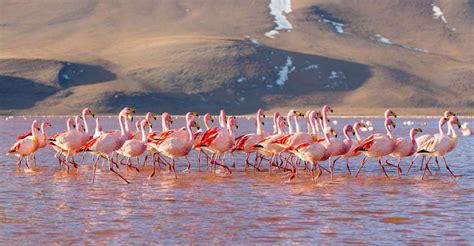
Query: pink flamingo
[[405, 147], [148, 117], [42, 137], [198, 138], [341, 147], [133, 147], [25, 147], [354, 144], [98, 128], [166, 121], [313, 152], [177, 143], [246, 142], [219, 140], [268, 146], [378, 145], [441, 144], [423, 139], [105, 144]]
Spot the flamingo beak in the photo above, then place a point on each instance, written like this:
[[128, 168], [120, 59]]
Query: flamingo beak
[[236, 126], [74, 126], [459, 124], [130, 117], [50, 125], [154, 117], [418, 130], [92, 114], [393, 124], [394, 115], [197, 125], [298, 113], [330, 110], [285, 123], [212, 120], [195, 114], [334, 133], [353, 132], [264, 116]]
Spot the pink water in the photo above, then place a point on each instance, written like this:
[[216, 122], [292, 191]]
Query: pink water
[[47, 205]]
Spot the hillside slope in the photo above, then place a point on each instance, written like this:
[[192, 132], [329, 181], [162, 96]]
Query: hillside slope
[[360, 56]]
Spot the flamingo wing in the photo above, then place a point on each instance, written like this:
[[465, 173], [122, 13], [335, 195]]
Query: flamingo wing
[[282, 140], [15, 147], [366, 144], [241, 141], [24, 135]]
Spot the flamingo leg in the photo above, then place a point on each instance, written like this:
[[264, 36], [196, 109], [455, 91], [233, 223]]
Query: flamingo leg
[[361, 165], [188, 168], [447, 167], [199, 160], [437, 164], [347, 166], [113, 170], [411, 164], [173, 167], [383, 169], [94, 169]]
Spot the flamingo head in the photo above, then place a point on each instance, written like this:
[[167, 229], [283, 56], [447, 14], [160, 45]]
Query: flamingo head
[[150, 116], [260, 113], [389, 113], [70, 123], [358, 125], [327, 109], [145, 123], [276, 114], [232, 122], [209, 117], [455, 120], [390, 122], [349, 128], [88, 111], [448, 114], [167, 117], [329, 130], [46, 124], [195, 125]]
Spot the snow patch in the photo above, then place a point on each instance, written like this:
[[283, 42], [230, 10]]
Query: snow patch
[[382, 39], [337, 26], [285, 71], [335, 75], [278, 8], [66, 76], [313, 66], [252, 40], [438, 14], [241, 79]]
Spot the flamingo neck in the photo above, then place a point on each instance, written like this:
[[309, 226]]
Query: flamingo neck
[[69, 124], [389, 131], [290, 124], [346, 135], [325, 119], [297, 123], [76, 119], [142, 129], [356, 130], [440, 127], [98, 128], [84, 118], [222, 119], [312, 125], [43, 126], [229, 127], [259, 126], [122, 130], [452, 130], [275, 125], [206, 123]]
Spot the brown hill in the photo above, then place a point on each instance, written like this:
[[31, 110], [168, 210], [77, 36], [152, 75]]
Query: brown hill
[[360, 56]]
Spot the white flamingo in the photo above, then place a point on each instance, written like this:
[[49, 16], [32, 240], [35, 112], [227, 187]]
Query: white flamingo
[[26, 147]]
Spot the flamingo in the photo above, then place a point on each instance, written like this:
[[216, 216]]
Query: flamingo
[[148, 117], [268, 146], [198, 137], [42, 137], [405, 147], [314, 152], [341, 147], [176, 143], [166, 121], [378, 145], [354, 144], [246, 142], [421, 140], [219, 140], [440, 144], [25, 147], [133, 147], [105, 144]]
